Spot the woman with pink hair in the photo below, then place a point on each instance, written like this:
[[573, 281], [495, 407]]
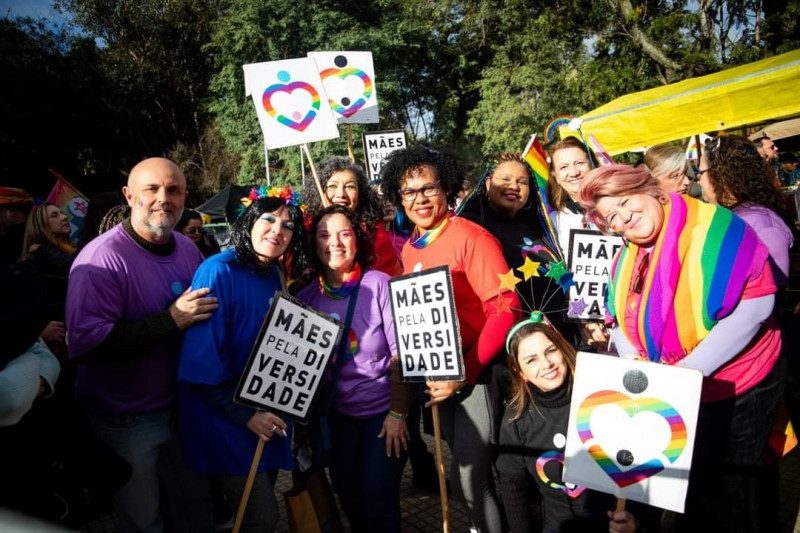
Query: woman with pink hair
[[692, 287]]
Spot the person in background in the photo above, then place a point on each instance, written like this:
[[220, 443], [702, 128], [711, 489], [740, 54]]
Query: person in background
[[714, 315], [425, 183], [219, 436], [115, 216], [789, 174], [345, 183], [570, 160], [191, 225], [769, 151], [369, 402], [99, 205], [128, 300], [15, 204], [668, 165]]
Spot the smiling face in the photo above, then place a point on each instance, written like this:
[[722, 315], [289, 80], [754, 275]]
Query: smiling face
[[57, 221], [336, 245], [570, 165], [271, 234], [424, 211], [541, 363], [637, 217], [156, 192], [509, 187], [342, 189]]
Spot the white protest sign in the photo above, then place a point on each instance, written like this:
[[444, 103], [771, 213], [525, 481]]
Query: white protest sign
[[591, 255], [632, 426], [377, 147], [349, 80], [426, 326], [289, 359], [290, 101]]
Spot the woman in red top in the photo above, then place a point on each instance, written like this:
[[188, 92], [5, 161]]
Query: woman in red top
[[345, 183], [425, 183]]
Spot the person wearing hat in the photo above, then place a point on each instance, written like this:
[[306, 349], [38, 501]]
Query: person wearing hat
[[788, 173]]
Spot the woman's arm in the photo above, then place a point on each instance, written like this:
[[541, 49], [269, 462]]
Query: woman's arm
[[730, 335]]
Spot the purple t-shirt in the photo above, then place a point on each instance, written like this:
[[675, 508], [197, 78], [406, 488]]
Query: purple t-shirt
[[362, 389], [115, 280], [774, 233]]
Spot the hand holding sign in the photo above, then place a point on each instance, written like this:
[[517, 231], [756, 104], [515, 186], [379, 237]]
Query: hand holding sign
[[266, 425], [439, 391]]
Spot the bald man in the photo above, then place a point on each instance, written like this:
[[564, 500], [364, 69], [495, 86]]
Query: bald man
[[128, 300]]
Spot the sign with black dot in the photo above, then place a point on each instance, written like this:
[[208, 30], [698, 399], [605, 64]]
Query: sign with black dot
[[349, 80], [631, 429]]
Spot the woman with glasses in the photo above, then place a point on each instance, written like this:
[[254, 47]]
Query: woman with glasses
[[191, 225], [218, 435], [693, 288], [345, 183], [668, 165], [425, 183]]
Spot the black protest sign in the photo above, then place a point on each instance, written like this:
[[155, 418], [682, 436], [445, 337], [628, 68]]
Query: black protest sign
[[289, 359], [426, 326], [377, 147], [591, 255]]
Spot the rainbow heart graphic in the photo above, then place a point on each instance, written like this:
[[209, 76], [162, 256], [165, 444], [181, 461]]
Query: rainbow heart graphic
[[297, 121], [347, 108], [632, 406], [545, 458]]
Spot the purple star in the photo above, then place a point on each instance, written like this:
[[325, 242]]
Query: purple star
[[577, 307]]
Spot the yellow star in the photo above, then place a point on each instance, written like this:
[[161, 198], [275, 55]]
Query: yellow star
[[529, 269], [508, 280]]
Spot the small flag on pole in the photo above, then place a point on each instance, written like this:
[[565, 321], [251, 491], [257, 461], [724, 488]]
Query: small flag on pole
[[67, 198]]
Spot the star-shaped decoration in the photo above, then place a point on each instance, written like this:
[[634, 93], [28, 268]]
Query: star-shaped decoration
[[502, 305], [557, 270], [529, 269], [565, 282], [577, 307], [508, 280]]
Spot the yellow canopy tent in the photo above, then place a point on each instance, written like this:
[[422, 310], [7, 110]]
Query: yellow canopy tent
[[759, 91]]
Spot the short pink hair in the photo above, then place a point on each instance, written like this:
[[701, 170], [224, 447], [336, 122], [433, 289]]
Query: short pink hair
[[614, 180]]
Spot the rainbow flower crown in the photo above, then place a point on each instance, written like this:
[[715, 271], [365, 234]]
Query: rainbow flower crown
[[289, 195]]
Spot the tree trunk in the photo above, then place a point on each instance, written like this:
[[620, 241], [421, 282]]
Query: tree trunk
[[625, 8]]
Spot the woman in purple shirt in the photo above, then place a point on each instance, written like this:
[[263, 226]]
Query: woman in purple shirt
[[366, 407]]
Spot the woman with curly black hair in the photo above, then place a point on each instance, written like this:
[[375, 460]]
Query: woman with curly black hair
[[345, 183], [734, 175], [424, 183], [219, 436], [365, 400]]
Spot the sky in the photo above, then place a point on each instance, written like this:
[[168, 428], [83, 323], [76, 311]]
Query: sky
[[30, 8]]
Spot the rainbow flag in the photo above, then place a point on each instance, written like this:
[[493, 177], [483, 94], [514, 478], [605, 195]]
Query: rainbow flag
[[70, 201], [535, 156], [603, 157]]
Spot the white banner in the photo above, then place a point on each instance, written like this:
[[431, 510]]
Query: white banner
[[377, 147], [349, 80], [591, 255]]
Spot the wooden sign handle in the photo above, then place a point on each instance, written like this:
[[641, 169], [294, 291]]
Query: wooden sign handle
[[322, 197], [437, 432], [248, 486], [620, 505], [350, 152]]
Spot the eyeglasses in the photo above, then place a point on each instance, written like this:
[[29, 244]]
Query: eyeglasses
[[428, 190], [700, 173], [194, 231]]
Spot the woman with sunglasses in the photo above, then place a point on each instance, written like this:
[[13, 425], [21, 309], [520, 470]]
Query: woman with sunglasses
[[425, 183], [693, 288], [191, 225]]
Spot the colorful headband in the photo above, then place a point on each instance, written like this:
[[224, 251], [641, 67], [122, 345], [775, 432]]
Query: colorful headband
[[289, 195], [537, 317]]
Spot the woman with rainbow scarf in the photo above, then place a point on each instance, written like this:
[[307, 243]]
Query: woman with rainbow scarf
[[692, 287], [425, 183], [365, 402]]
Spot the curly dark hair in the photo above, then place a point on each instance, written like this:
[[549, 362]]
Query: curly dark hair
[[399, 163], [368, 209], [739, 174], [296, 257], [555, 193], [364, 242]]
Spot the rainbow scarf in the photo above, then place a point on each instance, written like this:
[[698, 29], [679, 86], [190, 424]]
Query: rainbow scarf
[[421, 240], [350, 281], [700, 264]]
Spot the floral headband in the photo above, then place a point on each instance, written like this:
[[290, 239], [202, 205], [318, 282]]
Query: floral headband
[[289, 195], [537, 317]]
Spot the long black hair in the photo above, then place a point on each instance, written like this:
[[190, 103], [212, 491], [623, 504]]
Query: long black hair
[[368, 210], [295, 259]]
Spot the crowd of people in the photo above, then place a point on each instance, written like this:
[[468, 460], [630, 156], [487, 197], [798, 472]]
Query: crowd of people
[[123, 351]]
